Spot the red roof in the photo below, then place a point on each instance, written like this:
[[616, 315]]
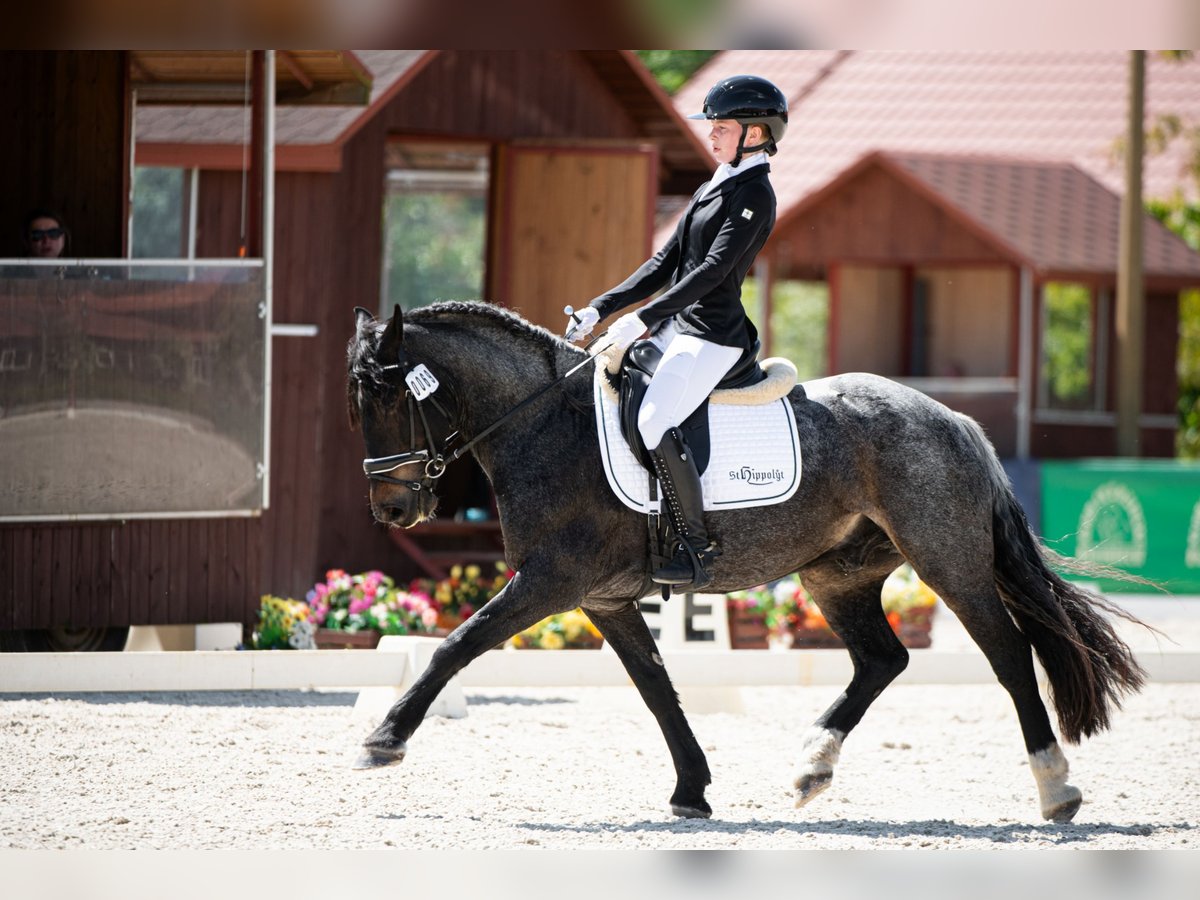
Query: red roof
[[1060, 106], [207, 131], [293, 124]]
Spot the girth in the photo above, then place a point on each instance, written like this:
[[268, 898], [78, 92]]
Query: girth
[[638, 367]]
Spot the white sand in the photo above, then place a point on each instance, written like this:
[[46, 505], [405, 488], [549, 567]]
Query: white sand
[[930, 766]]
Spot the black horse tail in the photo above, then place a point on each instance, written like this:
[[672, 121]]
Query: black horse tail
[[1089, 668]]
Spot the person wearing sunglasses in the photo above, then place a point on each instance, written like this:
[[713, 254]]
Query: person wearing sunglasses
[[44, 235]]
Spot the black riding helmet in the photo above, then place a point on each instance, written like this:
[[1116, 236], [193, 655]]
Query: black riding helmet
[[749, 100]]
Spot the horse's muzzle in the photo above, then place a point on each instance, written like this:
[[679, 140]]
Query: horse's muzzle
[[401, 507]]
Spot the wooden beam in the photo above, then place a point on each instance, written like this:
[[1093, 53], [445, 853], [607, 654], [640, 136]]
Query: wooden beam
[[1131, 300], [252, 238], [290, 63], [228, 157]]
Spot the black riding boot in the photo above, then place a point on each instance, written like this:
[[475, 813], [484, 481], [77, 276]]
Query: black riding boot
[[683, 504]]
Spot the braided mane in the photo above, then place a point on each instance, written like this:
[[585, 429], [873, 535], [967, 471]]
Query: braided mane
[[476, 309], [364, 366]]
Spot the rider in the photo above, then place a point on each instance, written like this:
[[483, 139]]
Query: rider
[[698, 321]]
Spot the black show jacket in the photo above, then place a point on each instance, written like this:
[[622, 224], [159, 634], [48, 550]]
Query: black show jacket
[[705, 263]]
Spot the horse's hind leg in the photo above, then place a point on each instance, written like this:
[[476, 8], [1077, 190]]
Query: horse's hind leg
[[626, 631], [978, 606], [853, 610]]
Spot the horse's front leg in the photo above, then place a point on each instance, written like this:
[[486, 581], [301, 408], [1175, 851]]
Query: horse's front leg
[[532, 594], [626, 630]]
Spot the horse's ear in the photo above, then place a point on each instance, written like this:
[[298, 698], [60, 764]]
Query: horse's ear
[[393, 338], [362, 318]]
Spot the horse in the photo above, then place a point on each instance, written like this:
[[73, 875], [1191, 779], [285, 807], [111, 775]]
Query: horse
[[890, 475]]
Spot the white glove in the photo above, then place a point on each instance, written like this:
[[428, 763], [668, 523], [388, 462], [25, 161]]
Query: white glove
[[582, 322], [625, 331]]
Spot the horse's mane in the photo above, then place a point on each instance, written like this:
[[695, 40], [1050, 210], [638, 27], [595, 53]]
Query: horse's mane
[[478, 309], [365, 367]]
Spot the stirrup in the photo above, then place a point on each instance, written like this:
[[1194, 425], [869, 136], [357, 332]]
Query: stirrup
[[691, 569]]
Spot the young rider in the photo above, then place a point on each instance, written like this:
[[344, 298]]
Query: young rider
[[698, 320]]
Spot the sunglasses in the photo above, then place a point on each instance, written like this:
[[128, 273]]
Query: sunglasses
[[54, 234]]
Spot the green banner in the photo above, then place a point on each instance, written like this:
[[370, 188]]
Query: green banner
[[1140, 516]]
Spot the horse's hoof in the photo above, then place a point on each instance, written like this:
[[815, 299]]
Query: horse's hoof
[[378, 757], [1064, 811], [685, 811], [811, 784]]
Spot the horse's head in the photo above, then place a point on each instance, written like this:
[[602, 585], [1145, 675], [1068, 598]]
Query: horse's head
[[402, 459]]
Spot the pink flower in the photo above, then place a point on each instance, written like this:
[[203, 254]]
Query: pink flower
[[466, 610], [429, 617], [359, 605]]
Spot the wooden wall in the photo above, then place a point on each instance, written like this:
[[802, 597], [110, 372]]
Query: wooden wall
[[868, 315], [68, 150], [971, 321], [876, 219], [575, 222]]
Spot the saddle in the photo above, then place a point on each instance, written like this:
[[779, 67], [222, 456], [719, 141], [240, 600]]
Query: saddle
[[632, 379]]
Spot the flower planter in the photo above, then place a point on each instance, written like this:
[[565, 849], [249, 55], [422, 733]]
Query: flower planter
[[916, 628], [747, 630], [333, 639], [585, 642], [814, 638]]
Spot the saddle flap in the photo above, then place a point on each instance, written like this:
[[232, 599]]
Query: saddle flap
[[638, 367], [754, 457]]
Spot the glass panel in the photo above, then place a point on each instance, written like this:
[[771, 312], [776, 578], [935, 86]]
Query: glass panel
[[158, 213], [128, 390], [435, 223], [1068, 341]]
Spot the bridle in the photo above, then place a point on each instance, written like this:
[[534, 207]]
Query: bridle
[[421, 387]]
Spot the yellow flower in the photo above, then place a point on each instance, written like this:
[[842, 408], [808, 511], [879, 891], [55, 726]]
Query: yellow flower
[[472, 572], [456, 572], [552, 640]]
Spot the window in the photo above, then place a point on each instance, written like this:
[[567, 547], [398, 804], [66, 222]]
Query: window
[[1073, 347], [161, 207], [435, 223]]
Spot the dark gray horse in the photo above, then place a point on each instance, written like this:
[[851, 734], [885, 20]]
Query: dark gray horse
[[889, 475]]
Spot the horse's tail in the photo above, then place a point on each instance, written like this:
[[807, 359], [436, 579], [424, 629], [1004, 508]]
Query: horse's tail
[[1088, 666]]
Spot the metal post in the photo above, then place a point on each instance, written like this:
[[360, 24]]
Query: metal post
[[1024, 362], [1131, 301], [268, 251]]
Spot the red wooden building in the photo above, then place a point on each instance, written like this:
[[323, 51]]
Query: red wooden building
[[558, 158]]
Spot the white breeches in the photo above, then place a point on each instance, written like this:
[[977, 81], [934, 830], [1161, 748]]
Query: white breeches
[[689, 370]]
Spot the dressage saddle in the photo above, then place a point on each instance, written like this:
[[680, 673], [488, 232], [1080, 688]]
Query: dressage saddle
[[630, 383]]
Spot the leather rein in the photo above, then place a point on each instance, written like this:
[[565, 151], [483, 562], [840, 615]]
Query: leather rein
[[421, 387]]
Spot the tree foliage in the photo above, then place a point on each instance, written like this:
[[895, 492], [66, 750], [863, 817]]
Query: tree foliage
[[157, 213], [434, 244], [672, 68], [1183, 218]]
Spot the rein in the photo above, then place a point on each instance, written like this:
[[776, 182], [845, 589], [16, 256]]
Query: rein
[[421, 386]]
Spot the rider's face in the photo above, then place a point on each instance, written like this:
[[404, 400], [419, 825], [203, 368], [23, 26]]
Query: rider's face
[[724, 139]]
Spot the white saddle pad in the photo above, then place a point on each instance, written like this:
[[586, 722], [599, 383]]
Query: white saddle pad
[[755, 458]]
